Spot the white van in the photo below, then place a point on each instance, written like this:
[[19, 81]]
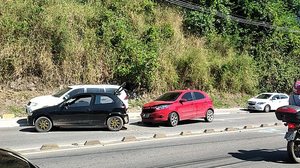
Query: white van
[[50, 100]]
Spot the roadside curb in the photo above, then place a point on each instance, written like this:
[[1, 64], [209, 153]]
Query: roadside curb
[[132, 138]]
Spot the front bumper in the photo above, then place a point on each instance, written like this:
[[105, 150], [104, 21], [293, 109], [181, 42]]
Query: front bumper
[[154, 117], [257, 107]]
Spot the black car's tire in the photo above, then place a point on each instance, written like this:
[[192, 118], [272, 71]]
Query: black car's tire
[[293, 150], [209, 117], [173, 119], [43, 124], [267, 108], [114, 123]]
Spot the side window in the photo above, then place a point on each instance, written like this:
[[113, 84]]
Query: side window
[[81, 102], [284, 97], [100, 99], [93, 90], [198, 95], [75, 92], [187, 96], [275, 97]]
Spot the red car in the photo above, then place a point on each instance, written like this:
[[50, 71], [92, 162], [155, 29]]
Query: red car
[[178, 105]]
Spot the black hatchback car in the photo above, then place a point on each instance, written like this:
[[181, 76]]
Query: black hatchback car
[[82, 110]]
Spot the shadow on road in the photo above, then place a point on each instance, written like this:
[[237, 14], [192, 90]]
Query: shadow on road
[[139, 123], [63, 129], [268, 155]]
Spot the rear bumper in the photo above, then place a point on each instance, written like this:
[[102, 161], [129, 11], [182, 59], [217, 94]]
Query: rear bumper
[[126, 118]]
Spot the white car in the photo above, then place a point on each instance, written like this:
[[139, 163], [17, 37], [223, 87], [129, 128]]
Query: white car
[[50, 100], [268, 101]]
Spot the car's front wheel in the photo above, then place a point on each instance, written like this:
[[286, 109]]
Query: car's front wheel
[[114, 123], [43, 124], [267, 108]]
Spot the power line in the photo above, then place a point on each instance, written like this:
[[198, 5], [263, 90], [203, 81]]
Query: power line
[[191, 6]]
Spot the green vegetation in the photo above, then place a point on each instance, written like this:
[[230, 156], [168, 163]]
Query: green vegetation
[[151, 45]]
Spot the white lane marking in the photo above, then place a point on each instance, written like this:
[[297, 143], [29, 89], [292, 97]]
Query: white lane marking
[[226, 119]]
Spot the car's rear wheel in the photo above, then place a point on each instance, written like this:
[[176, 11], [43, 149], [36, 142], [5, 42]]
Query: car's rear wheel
[[267, 108], [43, 124], [209, 117], [173, 119], [114, 123]]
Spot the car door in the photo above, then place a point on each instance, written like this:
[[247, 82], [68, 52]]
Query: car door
[[201, 104], [284, 100], [186, 109], [75, 111], [275, 102], [102, 107]]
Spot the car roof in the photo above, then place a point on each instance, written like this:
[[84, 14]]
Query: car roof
[[187, 90], [272, 93], [94, 86]]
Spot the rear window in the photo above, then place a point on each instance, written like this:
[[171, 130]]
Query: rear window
[[170, 96]]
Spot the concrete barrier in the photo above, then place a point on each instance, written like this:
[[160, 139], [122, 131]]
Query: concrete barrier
[[248, 127], [159, 135], [230, 129], [264, 125], [185, 133], [92, 142], [129, 138], [209, 131], [49, 147]]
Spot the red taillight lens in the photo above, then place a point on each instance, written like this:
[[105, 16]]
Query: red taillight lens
[[126, 97], [291, 125]]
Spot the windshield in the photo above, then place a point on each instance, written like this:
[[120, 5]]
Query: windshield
[[264, 96], [170, 96], [61, 92]]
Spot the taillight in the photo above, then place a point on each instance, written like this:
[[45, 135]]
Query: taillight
[[126, 97], [291, 125]]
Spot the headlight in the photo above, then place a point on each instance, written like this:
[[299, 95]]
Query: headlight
[[160, 107], [261, 103]]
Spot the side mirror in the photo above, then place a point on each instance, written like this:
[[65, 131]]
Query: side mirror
[[182, 100]]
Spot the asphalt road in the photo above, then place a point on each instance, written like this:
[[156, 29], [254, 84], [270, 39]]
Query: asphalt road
[[24, 137], [259, 148]]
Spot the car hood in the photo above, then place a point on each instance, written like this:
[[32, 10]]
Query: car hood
[[258, 100], [48, 99], [156, 103], [45, 110]]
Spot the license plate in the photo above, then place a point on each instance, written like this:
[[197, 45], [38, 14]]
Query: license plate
[[290, 135], [145, 115]]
